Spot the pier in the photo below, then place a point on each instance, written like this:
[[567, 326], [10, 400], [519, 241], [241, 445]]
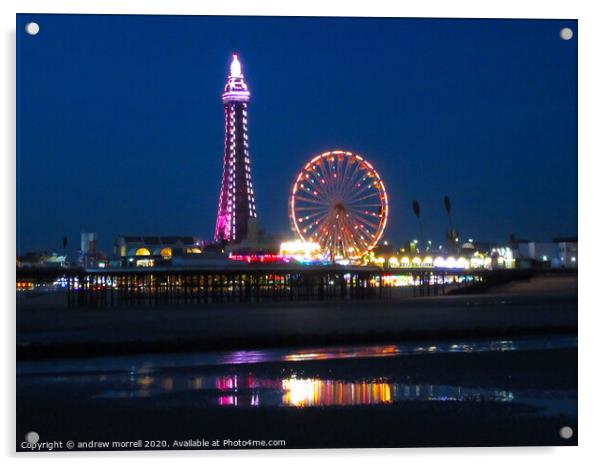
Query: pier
[[253, 283]]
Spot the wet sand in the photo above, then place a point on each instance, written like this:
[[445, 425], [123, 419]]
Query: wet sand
[[72, 406], [545, 305], [510, 396]]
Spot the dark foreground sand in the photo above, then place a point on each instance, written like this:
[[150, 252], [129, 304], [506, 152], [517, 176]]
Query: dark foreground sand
[[544, 305], [70, 409], [68, 406], [542, 285]]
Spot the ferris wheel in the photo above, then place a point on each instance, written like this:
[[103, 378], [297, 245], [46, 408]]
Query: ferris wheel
[[339, 201]]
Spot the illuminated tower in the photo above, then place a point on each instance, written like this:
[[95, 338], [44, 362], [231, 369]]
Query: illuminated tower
[[236, 210]]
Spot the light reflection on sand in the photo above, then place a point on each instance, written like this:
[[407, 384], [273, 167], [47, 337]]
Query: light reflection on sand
[[291, 378], [250, 390], [147, 364]]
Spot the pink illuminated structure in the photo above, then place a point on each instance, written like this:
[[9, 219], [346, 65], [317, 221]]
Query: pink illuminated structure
[[236, 209]]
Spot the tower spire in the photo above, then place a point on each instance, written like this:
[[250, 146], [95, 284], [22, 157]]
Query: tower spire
[[236, 206], [235, 67]]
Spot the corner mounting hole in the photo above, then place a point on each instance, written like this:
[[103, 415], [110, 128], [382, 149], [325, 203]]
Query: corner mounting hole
[[566, 33], [32, 28], [32, 437], [566, 432]]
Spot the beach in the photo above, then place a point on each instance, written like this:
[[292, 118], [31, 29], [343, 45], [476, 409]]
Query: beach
[[490, 369], [542, 305]]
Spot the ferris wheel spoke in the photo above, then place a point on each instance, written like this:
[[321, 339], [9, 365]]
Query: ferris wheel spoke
[[343, 238], [361, 190], [324, 183], [357, 190], [317, 185], [362, 220], [355, 200], [366, 223], [347, 246], [359, 172], [370, 236], [339, 174], [356, 167], [367, 218], [321, 215], [323, 190], [370, 183], [312, 224], [324, 223], [310, 218], [328, 239], [363, 206], [336, 238], [325, 174], [361, 244], [354, 237], [347, 189], [310, 189], [311, 201], [311, 207], [345, 174], [332, 177], [315, 221], [365, 228], [370, 203], [351, 240], [361, 241], [350, 186], [335, 172]]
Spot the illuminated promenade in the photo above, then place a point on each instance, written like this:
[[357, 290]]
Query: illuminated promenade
[[255, 283]]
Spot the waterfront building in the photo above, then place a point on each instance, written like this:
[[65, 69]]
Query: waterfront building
[[149, 251], [545, 252], [42, 260], [236, 215], [89, 254], [567, 251], [558, 253]]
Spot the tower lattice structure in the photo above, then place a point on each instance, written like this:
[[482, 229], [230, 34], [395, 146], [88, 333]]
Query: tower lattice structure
[[236, 210]]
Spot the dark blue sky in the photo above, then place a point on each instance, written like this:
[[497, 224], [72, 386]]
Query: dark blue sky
[[120, 122]]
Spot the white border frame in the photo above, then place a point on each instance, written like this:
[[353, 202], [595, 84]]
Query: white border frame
[[590, 153]]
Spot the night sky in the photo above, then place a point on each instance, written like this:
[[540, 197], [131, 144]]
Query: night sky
[[120, 121]]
